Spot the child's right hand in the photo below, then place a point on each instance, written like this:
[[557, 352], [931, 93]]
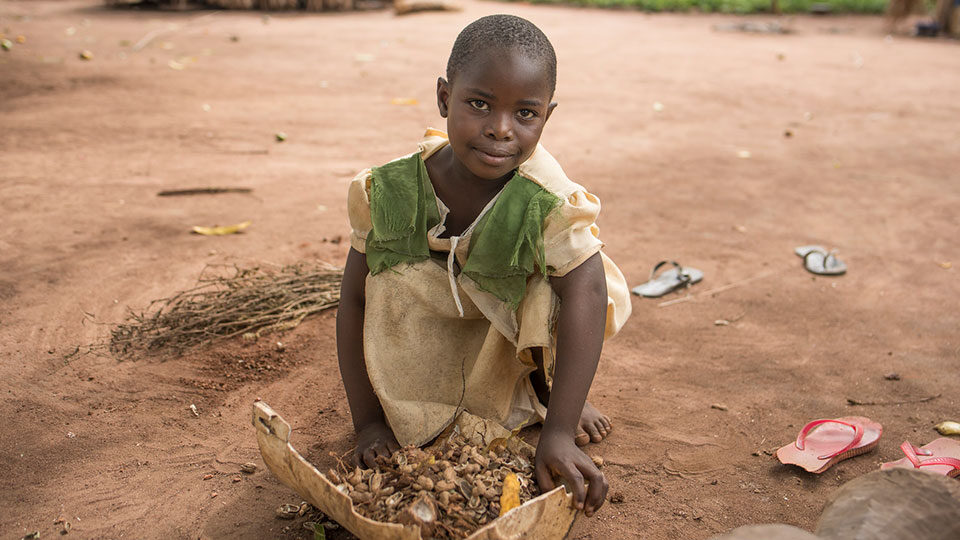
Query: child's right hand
[[373, 441], [557, 455]]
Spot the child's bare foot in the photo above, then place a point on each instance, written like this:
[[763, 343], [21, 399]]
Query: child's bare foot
[[593, 427]]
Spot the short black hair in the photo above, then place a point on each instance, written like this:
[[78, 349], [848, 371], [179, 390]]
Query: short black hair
[[499, 32]]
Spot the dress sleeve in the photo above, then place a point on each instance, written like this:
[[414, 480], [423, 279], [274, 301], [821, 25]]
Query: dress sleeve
[[570, 234], [358, 209]]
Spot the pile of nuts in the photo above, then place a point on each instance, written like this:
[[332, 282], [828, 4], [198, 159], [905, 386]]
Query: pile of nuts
[[449, 490]]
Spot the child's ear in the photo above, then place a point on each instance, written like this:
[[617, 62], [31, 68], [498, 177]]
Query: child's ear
[[443, 96], [550, 108]]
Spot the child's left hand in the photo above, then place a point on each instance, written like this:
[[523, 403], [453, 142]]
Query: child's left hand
[[557, 454]]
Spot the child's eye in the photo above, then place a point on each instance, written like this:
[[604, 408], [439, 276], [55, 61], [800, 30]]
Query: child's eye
[[479, 104], [527, 114]]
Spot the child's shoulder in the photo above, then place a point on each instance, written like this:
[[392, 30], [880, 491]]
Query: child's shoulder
[[542, 168]]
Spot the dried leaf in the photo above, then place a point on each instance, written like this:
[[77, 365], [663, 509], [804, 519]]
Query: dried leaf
[[510, 498], [220, 231]]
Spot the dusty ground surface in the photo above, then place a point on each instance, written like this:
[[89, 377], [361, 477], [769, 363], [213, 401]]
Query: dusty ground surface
[[870, 168]]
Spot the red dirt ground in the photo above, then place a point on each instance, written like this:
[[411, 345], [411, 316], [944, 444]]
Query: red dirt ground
[[870, 168]]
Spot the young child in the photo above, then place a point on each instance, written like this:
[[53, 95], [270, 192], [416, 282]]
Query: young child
[[475, 279]]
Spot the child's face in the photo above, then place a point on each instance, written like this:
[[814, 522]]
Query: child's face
[[495, 109]]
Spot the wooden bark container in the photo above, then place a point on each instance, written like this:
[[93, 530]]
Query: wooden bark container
[[548, 516]]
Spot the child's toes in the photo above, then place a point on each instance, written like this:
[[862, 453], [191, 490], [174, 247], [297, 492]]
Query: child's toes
[[582, 438], [591, 429], [607, 426]]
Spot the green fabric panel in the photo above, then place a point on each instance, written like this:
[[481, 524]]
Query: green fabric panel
[[507, 244], [402, 209]]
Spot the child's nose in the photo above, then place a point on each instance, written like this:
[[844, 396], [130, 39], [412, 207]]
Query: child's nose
[[500, 127]]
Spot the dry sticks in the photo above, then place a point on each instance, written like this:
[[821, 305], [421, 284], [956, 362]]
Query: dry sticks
[[248, 301]]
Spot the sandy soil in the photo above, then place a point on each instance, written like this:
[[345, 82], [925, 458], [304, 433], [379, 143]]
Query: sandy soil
[[870, 168]]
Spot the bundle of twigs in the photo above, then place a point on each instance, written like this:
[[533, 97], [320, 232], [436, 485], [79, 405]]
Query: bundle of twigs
[[248, 301]]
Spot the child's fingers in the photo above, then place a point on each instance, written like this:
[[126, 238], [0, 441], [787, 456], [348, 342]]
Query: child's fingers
[[544, 479], [596, 491], [575, 482], [370, 457], [383, 450]]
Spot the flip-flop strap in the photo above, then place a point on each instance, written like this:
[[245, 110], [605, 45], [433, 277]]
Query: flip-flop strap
[[912, 452], [818, 252], [857, 435], [683, 277], [827, 255], [951, 461], [832, 254]]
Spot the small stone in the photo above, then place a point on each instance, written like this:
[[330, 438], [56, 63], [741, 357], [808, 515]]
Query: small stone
[[617, 498], [6, 44], [207, 476], [787, 133], [718, 406], [248, 468], [892, 376], [86, 55], [281, 136], [597, 460], [236, 479], [213, 494]]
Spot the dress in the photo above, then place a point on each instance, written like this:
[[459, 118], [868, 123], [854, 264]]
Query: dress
[[446, 328]]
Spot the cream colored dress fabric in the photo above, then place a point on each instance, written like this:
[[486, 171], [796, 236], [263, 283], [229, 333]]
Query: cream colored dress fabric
[[425, 361]]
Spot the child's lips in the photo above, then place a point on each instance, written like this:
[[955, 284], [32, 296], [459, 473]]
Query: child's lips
[[493, 158]]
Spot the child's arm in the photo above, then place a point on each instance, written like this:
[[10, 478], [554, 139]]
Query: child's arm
[[374, 437], [580, 326]]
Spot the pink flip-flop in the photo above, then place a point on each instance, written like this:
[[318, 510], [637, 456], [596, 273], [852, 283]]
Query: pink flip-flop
[[823, 442], [940, 456]]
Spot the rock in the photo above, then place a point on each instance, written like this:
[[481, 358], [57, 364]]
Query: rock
[[893, 504]]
